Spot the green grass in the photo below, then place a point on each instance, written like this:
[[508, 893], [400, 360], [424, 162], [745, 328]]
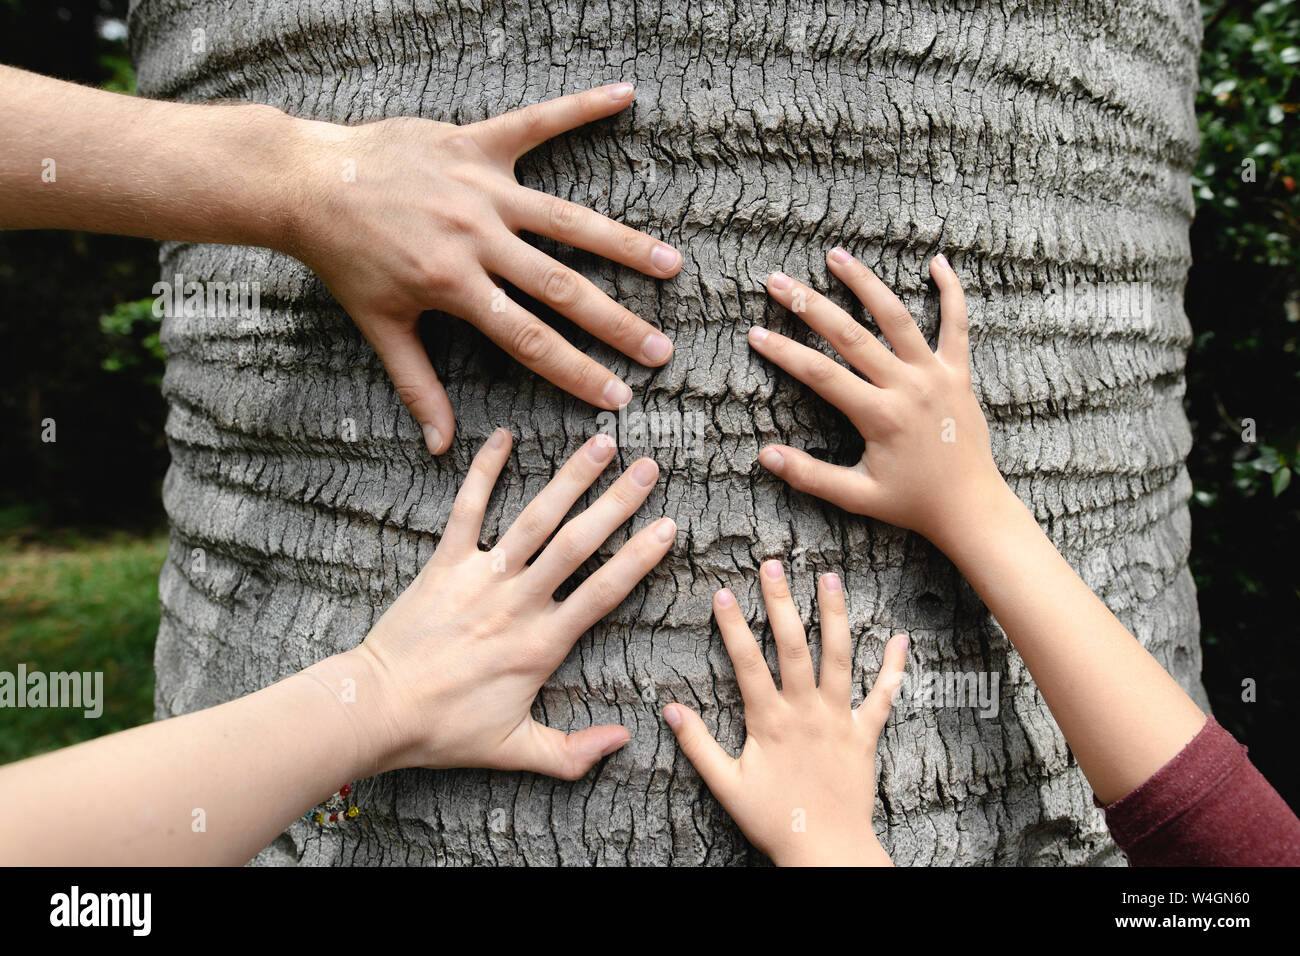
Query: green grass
[[73, 603]]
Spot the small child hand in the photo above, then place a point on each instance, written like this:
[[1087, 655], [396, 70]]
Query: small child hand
[[464, 650], [804, 786], [927, 465]]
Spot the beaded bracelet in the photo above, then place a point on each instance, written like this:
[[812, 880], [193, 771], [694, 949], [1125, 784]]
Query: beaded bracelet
[[336, 808]]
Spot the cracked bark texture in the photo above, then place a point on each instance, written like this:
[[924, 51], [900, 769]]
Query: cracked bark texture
[[1038, 144]]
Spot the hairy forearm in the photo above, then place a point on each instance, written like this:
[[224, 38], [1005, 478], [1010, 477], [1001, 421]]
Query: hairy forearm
[[1122, 714], [74, 157], [212, 787]]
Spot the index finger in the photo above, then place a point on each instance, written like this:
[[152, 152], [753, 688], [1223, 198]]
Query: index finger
[[752, 674], [890, 314], [536, 345], [515, 133], [574, 225]]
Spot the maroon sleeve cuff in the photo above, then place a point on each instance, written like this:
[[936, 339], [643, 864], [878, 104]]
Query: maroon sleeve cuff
[[1208, 806]]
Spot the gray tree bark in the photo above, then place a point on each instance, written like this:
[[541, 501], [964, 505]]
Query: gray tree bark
[[1045, 147]]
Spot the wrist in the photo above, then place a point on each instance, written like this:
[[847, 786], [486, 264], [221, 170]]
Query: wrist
[[359, 685], [278, 216], [992, 507], [306, 169]]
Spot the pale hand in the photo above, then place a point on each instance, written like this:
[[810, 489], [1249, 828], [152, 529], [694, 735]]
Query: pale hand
[[464, 650], [804, 785], [408, 215], [927, 465]]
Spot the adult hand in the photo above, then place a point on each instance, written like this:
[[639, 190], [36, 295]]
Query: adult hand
[[463, 651], [407, 215]]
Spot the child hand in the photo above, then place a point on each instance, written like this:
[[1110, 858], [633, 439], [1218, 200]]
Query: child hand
[[805, 783], [407, 215], [463, 651], [927, 465]]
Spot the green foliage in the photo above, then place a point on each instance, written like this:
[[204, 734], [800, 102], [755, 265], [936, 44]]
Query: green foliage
[[77, 604], [121, 76], [1249, 106], [1243, 300], [132, 331]]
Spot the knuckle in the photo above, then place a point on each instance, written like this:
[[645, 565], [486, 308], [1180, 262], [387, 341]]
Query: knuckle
[[479, 466], [564, 216], [436, 282], [571, 770], [530, 342], [841, 659], [887, 418], [631, 242], [924, 392], [626, 495], [458, 219], [532, 525], [587, 379], [804, 477], [750, 663], [459, 143], [409, 394], [605, 593], [462, 510], [820, 370], [851, 334], [530, 122], [571, 546], [624, 326], [561, 285], [896, 315]]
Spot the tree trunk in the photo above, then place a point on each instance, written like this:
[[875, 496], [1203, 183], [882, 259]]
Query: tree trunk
[[1045, 147]]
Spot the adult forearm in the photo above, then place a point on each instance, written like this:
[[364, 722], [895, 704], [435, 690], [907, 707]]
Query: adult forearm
[[212, 787], [74, 157], [1123, 715]]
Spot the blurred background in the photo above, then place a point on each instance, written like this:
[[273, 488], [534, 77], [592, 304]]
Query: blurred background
[[82, 533]]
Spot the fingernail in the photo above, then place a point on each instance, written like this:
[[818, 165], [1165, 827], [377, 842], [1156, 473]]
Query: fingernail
[[656, 348], [432, 439], [725, 598], [665, 258], [831, 581], [779, 280], [644, 472], [619, 91], [773, 570], [615, 746], [601, 448], [617, 393], [942, 261], [666, 529], [497, 439], [840, 255], [758, 336], [673, 716], [902, 640], [771, 459]]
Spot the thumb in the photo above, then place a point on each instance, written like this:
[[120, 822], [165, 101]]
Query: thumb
[[569, 756], [412, 374], [711, 762], [880, 701]]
